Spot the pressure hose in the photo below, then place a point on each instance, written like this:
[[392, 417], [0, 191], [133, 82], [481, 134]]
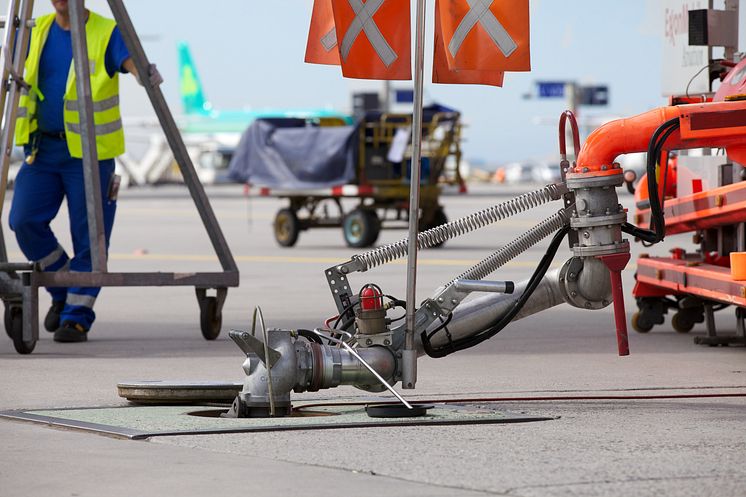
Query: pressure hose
[[515, 247], [657, 219], [440, 234], [498, 325]]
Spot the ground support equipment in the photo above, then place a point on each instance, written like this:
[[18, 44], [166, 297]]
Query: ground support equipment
[[20, 282], [364, 347], [381, 188], [695, 284]]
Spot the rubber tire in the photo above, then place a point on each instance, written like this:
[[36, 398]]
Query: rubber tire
[[439, 218], [639, 327], [360, 228], [14, 327], [286, 227], [210, 321], [680, 324], [8, 322]]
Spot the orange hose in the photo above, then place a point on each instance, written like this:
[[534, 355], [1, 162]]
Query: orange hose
[[633, 134]]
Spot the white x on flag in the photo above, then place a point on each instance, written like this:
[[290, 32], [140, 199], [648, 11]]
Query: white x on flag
[[479, 12], [364, 22]]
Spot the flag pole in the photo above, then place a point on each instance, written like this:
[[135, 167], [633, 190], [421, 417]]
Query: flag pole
[[409, 357]]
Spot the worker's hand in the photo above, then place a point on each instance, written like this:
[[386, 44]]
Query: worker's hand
[[154, 76]]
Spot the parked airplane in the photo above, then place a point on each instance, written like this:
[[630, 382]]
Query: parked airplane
[[201, 117], [211, 135]]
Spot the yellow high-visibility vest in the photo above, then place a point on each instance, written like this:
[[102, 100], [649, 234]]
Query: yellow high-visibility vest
[[106, 115]]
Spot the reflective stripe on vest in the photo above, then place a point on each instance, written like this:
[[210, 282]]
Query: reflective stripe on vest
[[104, 89], [99, 106], [99, 129]]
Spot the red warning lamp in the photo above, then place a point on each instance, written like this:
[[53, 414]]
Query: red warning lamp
[[371, 298]]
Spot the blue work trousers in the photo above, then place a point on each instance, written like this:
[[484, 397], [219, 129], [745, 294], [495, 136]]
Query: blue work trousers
[[39, 190]]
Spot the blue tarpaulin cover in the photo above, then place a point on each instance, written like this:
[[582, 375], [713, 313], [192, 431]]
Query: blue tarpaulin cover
[[288, 154]]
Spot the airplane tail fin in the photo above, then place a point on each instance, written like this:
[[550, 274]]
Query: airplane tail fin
[[192, 96]]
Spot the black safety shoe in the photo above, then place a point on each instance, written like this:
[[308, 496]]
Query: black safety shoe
[[52, 321], [70, 331]]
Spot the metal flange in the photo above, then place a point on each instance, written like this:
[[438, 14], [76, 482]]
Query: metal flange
[[596, 250], [572, 289]]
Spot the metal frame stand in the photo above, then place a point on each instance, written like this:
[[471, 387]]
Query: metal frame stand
[[20, 282], [713, 339]]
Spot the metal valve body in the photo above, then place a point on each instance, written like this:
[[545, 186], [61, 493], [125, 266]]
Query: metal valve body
[[598, 215], [300, 366]]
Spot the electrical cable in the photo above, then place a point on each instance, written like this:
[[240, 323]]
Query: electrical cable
[[695, 77], [343, 313], [310, 336], [397, 302], [346, 324], [657, 221], [443, 325], [507, 317]]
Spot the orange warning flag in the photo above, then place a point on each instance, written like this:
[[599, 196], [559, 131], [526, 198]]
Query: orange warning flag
[[374, 38], [442, 73], [322, 47], [486, 35]]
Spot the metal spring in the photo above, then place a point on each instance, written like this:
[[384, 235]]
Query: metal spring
[[515, 248], [453, 229]]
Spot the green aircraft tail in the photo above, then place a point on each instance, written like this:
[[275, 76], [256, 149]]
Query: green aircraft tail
[[192, 96]]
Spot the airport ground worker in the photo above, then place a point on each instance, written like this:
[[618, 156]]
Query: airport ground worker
[[47, 126]]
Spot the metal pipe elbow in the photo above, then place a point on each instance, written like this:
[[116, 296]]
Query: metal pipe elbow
[[709, 124], [586, 283], [621, 136]]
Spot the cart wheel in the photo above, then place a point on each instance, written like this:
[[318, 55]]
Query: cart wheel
[[361, 228], [287, 227], [210, 320], [639, 324], [8, 321], [439, 218], [681, 324], [14, 328]]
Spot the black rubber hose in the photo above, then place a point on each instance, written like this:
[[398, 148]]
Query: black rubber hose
[[310, 336], [657, 221], [508, 316], [658, 217]]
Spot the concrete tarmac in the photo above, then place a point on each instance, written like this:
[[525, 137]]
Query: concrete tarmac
[[672, 447]]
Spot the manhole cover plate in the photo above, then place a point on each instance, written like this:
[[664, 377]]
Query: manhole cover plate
[[178, 392], [138, 422]]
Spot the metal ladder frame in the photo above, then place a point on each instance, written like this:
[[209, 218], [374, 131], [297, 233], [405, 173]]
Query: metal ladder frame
[[20, 282]]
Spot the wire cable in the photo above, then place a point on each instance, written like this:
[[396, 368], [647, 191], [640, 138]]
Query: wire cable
[[657, 230], [507, 317], [695, 77]]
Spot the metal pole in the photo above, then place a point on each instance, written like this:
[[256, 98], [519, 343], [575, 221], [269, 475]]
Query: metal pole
[[386, 96], [10, 97], [732, 5], [191, 180], [91, 173], [409, 354], [7, 41]]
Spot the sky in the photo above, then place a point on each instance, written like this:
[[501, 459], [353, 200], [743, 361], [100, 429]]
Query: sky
[[249, 53]]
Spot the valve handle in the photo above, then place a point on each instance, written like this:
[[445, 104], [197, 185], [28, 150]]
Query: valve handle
[[616, 263]]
